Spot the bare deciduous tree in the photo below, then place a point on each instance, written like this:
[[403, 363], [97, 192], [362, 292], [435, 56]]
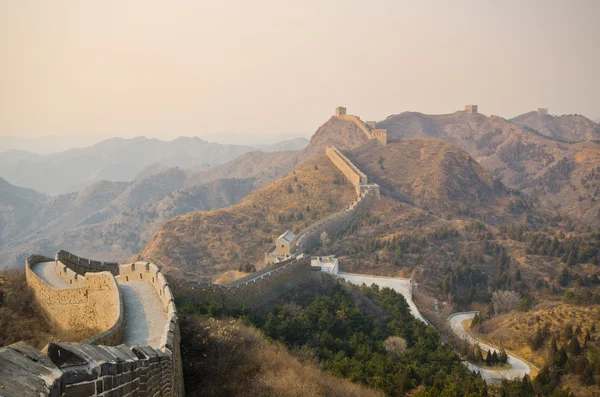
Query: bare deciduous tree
[[504, 301], [395, 345]]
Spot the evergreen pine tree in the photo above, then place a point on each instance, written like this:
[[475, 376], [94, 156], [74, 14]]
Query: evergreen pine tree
[[495, 360], [488, 358], [553, 347], [574, 347]]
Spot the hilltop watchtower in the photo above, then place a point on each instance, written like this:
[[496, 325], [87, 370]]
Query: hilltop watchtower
[[380, 136], [471, 109], [340, 111], [542, 111]]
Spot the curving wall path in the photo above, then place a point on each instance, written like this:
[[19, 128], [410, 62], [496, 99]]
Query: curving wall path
[[401, 285], [135, 350]]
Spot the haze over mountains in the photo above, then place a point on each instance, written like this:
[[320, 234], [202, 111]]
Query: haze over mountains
[[552, 159], [118, 159]]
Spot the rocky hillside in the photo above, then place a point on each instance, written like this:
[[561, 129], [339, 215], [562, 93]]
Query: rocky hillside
[[344, 134], [561, 175], [209, 243], [567, 128], [110, 220], [429, 173]]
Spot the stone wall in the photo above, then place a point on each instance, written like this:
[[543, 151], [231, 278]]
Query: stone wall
[[93, 303], [94, 368], [369, 127], [260, 290], [361, 124], [471, 109], [381, 136], [350, 171], [82, 265], [334, 222]]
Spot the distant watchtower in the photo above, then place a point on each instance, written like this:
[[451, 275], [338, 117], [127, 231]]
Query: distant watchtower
[[380, 136], [340, 111], [471, 109], [542, 111]]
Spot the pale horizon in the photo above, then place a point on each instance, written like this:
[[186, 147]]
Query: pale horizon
[[270, 70]]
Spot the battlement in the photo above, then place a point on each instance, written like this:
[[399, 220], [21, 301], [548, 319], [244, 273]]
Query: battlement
[[82, 265], [471, 109], [98, 366], [89, 304], [368, 128], [352, 173], [380, 136], [260, 288], [340, 111]]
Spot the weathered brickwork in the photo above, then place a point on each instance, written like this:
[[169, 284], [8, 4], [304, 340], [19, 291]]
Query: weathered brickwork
[[262, 288], [471, 109], [83, 265], [101, 366], [369, 127], [93, 302], [350, 171]]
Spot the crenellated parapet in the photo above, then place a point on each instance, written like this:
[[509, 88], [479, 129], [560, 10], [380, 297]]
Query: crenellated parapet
[[369, 128], [260, 288], [102, 365], [82, 265], [89, 304]]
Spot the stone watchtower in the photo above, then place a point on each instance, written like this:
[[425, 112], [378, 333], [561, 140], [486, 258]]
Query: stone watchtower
[[340, 111], [471, 109], [542, 111], [380, 136]]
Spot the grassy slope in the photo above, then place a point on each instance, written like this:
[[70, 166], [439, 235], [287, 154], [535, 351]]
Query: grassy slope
[[518, 156], [20, 317], [209, 243], [227, 358]]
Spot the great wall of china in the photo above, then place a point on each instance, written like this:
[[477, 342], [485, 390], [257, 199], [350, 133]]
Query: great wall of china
[[134, 346], [128, 316], [369, 128]]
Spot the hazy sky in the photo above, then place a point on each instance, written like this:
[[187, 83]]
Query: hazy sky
[[170, 68]]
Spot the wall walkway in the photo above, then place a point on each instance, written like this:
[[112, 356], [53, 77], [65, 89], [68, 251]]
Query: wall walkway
[[147, 360]]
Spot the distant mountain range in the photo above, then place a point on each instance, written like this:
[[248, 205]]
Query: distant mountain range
[[120, 160]]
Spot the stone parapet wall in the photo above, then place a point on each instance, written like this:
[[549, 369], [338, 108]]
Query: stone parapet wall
[[83, 265], [262, 289], [270, 267], [350, 171], [333, 223], [361, 124], [98, 367], [94, 304]]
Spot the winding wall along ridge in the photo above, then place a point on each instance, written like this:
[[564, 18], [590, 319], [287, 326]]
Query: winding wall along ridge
[[93, 368]]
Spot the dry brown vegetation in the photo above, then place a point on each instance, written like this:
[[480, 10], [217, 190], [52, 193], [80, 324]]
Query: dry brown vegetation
[[566, 127], [209, 243], [227, 358], [558, 321], [514, 330], [20, 317], [521, 157]]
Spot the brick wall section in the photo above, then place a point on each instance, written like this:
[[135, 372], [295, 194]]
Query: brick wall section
[[94, 303], [94, 368], [350, 171], [361, 124], [83, 265], [262, 289]]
